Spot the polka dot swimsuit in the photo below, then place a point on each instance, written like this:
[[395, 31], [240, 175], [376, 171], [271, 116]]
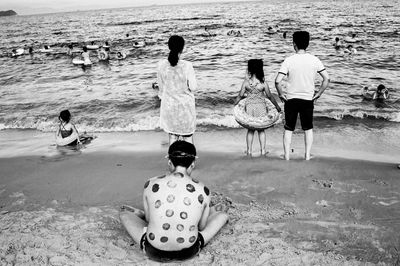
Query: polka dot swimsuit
[[175, 206]]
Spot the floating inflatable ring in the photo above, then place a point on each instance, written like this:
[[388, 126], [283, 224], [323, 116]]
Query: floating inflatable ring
[[60, 141], [102, 55], [256, 123]]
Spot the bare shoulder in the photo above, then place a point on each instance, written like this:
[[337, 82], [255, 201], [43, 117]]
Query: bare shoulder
[[151, 184]]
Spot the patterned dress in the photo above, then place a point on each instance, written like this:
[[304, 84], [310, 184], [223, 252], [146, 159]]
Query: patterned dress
[[255, 101], [176, 84]]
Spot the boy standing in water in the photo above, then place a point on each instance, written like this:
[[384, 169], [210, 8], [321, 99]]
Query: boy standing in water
[[300, 70], [177, 220]]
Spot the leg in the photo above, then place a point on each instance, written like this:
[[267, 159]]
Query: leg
[[172, 138], [308, 140], [133, 224], [287, 140], [216, 220], [262, 139], [249, 141], [306, 119]]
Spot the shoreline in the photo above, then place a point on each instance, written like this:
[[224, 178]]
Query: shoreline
[[61, 208]]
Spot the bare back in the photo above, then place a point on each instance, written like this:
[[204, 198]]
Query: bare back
[[174, 205]]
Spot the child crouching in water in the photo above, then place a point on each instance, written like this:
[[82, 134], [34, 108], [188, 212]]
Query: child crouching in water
[[66, 129], [257, 90]]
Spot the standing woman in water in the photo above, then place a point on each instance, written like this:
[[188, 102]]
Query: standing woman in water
[[177, 81]]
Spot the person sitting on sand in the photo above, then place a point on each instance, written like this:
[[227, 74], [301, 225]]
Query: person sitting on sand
[[66, 128], [300, 70], [380, 93], [257, 89], [177, 220]]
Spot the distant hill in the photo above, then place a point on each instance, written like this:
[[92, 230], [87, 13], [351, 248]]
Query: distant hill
[[8, 13]]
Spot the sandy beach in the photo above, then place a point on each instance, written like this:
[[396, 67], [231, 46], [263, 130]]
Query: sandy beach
[[61, 208]]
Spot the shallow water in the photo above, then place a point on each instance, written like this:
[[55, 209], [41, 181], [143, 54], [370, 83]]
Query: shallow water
[[118, 96]]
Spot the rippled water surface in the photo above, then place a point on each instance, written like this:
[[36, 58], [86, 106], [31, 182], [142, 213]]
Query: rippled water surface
[[118, 96]]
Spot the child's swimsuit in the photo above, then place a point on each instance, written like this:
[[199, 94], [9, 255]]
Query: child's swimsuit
[[167, 256], [66, 133], [255, 101]]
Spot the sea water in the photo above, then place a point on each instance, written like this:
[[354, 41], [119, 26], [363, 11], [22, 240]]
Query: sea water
[[118, 96]]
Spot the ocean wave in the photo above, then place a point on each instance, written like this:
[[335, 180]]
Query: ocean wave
[[203, 123]]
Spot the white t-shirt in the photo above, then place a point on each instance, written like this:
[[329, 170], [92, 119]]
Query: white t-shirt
[[301, 70]]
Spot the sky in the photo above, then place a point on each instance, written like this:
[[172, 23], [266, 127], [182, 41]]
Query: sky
[[26, 7]]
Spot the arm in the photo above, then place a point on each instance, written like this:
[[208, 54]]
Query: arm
[[241, 93], [278, 86], [271, 97], [159, 82], [324, 84], [191, 78], [205, 214], [74, 130]]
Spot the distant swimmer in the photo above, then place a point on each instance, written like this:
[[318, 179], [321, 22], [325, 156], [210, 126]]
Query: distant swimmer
[[103, 54], [86, 57], [17, 52], [92, 46], [380, 93], [350, 50], [284, 34], [154, 85], [208, 33], [106, 45], [235, 33], [351, 39], [271, 30], [139, 44], [337, 44], [120, 55]]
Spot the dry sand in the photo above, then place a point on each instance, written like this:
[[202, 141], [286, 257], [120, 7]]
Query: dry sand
[[62, 209]]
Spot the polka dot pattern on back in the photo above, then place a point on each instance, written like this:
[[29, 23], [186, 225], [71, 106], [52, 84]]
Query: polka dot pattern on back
[[200, 198], [180, 240], [192, 228], [166, 226], [183, 215], [195, 180], [180, 227], [157, 204], [164, 239], [155, 188], [170, 198], [187, 201], [171, 184], [206, 190], [190, 188], [152, 236], [178, 174], [169, 213], [192, 239]]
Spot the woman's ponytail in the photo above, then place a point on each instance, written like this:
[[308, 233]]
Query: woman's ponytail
[[175, 45]]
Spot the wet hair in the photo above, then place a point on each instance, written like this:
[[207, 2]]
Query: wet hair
[[107, 49], [337, 39], [354, 35], [70, 46], [107, 43], [93, 43], [284, 34], [175, 45], [84, 48], [127, 35], [301, 39], [65, 116], [255, 67], [182, 153], [381, 87], [30, 50]]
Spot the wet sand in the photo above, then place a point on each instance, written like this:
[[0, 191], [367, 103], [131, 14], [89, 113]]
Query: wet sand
[[61, 207]]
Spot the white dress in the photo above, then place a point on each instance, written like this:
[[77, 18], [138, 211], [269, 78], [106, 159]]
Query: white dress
[[176, 86]]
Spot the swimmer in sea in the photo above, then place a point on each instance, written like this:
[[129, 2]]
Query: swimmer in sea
[[337, 43], [103, 54], [86, 56], [177, 221], [120, 55], [350, 50], [381, 93]]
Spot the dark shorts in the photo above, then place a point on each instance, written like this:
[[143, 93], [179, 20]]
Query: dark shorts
[[167, 256], [305, 108]]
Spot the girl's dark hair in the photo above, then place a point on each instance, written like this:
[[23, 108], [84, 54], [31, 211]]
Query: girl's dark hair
[[65, 116], [175, 45], [255, 67]]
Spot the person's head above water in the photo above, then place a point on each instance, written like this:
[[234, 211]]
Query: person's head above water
[[182, 153], [380, 88], [175, 45], [70, 46], [353, 35], [65, 116], [301, 39], [255, 67], [337, 39], [84, 48]]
